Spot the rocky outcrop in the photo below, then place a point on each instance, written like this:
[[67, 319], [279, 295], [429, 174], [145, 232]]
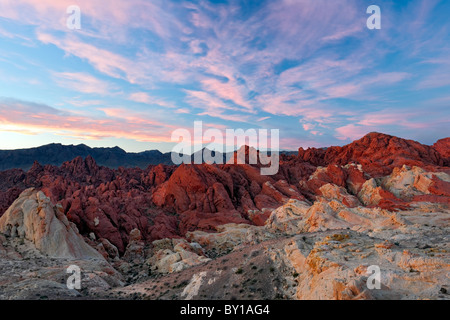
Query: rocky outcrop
[[338, 266], [32, 217], [229, 237], [331, 191], [299, 217], [408, 250], [443, 147], [135, 248], [175, 255], [378, 154], [337, 248], [407, 182], [374, 195], [206, 196], [28, 274]]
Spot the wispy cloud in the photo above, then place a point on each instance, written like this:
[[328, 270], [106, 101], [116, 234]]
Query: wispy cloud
[[309, 66], [227, 91], [144, 97], [351, 132], [82, 82], [391, 121], [28, 117], [111, 64], [213, 106]]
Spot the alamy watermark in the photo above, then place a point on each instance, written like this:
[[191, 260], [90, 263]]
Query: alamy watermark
[[73, 22], [74, 281], [374, 280], [374, 21], [224, 144]]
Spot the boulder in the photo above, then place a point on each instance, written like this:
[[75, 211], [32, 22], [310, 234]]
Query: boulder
[[174, 255], [34, 218], [229, 236]]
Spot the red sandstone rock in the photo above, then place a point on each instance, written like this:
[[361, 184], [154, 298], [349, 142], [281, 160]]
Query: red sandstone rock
[[167, 201], [439, 187], [378, 153], [355, 179], [443, 147], [7, 198]]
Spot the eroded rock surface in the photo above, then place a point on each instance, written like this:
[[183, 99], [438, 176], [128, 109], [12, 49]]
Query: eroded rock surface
[[174, 255], [316, 230], [34, 218]]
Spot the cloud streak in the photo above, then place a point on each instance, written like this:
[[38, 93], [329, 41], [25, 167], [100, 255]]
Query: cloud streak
[[32, 118], [308, 66], [82, 82]]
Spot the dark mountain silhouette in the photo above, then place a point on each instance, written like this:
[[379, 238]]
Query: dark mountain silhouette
[[56, 154]]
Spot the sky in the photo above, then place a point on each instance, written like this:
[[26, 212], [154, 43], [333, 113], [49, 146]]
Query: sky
[[139, 69]]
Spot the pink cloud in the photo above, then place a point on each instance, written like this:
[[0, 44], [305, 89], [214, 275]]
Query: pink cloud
[[308, 126], [387, 78], [205, 100], [351, 132], [212, 106], [182, 110], [144, 97], [384, 121], [435, 80], [223, 116], [108, 20], [388, 117], [309, 19], [82, 82], [171, 67], [296, 143], [342, 91], [105, 61], [344, 33], [227, 91], [140, 97], [31, 118], [311, 110]]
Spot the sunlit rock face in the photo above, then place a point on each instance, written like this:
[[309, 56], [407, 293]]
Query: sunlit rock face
[[34, 218], [315, 230]]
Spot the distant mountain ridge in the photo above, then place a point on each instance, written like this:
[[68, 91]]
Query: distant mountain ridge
[[56, 154], [374, 149]]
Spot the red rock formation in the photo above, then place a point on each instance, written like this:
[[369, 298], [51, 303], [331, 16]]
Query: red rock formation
[[443, 147], [439, 187], [208, 195], [378, 154], [168, 201], [7, 198]]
